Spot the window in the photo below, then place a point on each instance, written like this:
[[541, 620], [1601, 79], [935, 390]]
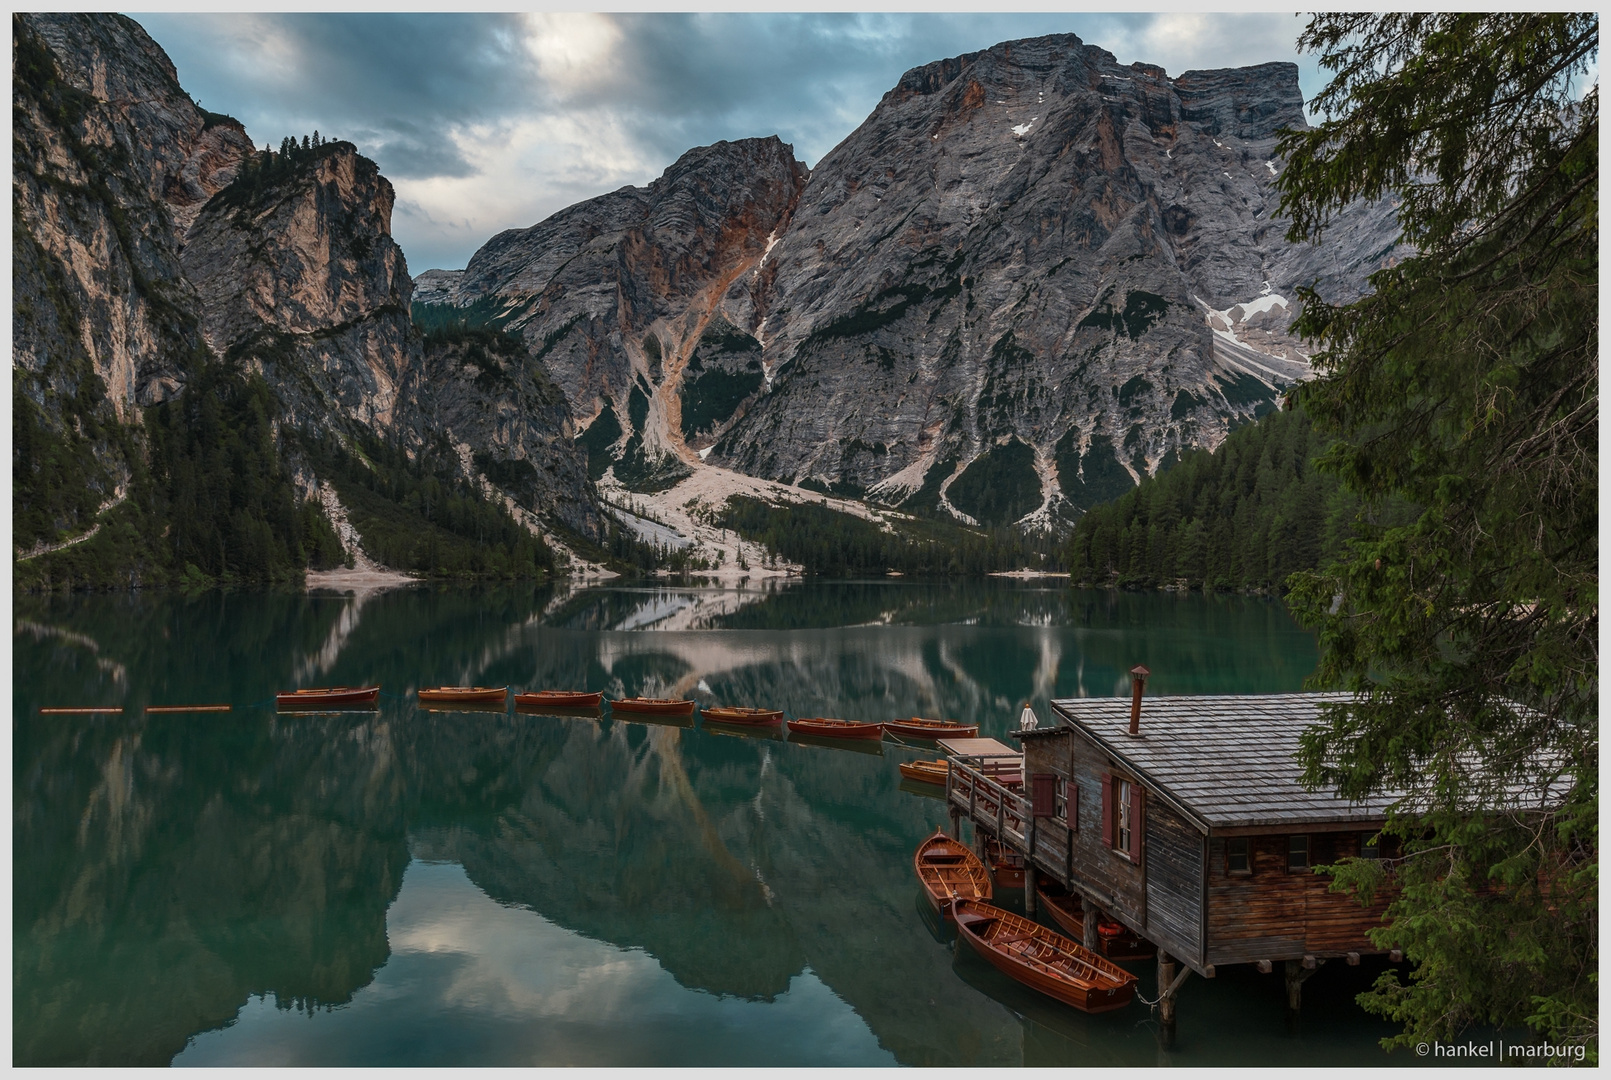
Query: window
[[1237, 858], [1297, 854], [1068, 805], [1368, 846], [1122, 816], [1121, 821]]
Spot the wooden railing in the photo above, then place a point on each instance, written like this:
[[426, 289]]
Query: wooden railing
[[1009, 817]]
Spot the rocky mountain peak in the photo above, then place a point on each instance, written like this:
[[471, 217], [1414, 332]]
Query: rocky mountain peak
[[1029, 277], [615, 294], [1247, 103]]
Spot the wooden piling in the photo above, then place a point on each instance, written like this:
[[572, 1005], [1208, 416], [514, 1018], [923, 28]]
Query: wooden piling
[[1029, 887], [1298, 972], [1093, 915], [1169, 981]]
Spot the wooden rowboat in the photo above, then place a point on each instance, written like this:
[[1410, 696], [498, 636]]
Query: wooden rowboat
[[465, 694], [1043, 959], [663, 706], [1064, 908], [919, 728], [1113, 940], [759, 717], [331, 695], [1118, 943], [948, 870], [1006, 865], [563, 699], [834, 729], [926, 772]]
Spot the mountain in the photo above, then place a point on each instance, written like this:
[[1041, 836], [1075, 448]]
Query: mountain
[[111, 161], [615, 293], [1029, 278], [163, 268]]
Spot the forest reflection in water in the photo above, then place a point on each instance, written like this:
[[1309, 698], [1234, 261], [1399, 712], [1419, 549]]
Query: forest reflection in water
[[436, 888]]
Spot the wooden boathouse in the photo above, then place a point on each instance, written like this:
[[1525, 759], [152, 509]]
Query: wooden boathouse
[[1186, 823]]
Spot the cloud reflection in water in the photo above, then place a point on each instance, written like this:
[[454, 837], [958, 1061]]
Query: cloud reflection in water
[[474, 982]]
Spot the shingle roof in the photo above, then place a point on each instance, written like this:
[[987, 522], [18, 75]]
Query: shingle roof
[[1229, 760]]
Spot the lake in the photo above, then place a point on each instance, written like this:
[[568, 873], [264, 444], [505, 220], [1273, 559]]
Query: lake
[[413, 887]]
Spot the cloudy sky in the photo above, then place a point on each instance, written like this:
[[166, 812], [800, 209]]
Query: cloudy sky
[[495, 121]]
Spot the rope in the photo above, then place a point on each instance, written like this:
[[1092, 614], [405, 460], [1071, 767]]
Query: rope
[[898, 741]]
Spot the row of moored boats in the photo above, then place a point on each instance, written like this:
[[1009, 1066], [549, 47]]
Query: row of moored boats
[[583, 701], [960, 888]]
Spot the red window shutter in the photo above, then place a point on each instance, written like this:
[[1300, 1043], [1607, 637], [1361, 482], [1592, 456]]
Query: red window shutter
[[1043, 791], [1107, 809], [1071, 799], [1136, 824]]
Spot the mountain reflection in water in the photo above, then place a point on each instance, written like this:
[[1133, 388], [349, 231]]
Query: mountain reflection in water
[[478, 888]]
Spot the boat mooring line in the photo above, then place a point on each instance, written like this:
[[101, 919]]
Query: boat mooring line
[[896, 739]]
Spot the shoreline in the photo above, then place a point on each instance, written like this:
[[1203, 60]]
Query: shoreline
[[1026, 573], [356, 578]]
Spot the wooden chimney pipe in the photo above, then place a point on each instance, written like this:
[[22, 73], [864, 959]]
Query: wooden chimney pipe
[[1138, 679]]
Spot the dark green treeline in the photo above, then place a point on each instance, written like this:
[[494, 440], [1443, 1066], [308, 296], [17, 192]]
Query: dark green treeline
[[1242, 517], [835, 544]]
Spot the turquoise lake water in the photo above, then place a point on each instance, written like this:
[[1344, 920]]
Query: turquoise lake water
[[413, 887]]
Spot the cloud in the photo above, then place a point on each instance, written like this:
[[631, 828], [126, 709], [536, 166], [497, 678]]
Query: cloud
[[489, 122]]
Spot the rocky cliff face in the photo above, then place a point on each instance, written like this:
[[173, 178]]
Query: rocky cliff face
[[152, 238], [505, 421], [303, 282], [110, 160], [1030, 277], [615, 295]]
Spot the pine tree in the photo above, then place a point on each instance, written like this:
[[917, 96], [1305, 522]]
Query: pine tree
[[1464, 388]]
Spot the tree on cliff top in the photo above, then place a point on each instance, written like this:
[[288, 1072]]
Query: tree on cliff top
[[1466, 383]]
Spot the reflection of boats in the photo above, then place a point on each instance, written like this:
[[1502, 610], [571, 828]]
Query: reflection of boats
[[1114, 941], [932, 920], [926, 772], [1006, 865], [565, 699], [461, 695], [920, 787], [948, 870], [658, 719], [1053, 1034], [740, 715], [1043, 959], [661, 706], [919, 728], [749, 731], [857, 746], [834, 729], [491, 708], [559, 710], [347, 696]]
